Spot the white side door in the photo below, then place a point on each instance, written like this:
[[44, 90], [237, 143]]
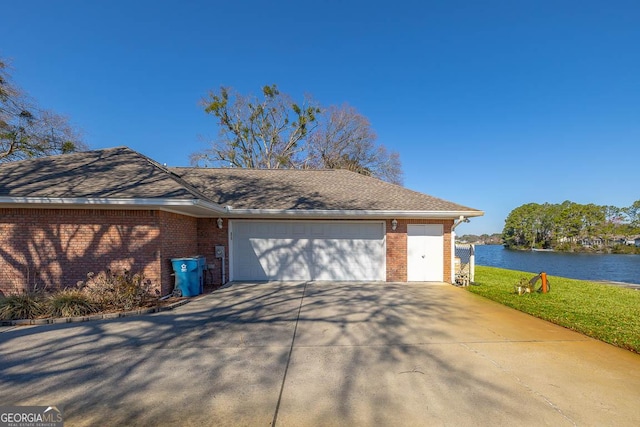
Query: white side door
[[425, 253]]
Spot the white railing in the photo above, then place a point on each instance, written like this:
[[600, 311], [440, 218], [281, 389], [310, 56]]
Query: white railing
[[465, 264]]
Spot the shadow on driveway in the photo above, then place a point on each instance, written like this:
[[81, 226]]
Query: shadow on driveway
[[292, 354]]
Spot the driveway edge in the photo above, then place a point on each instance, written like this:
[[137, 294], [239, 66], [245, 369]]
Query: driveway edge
[[103, 316]]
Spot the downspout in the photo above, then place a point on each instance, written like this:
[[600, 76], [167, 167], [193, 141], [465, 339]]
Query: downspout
[[459, 221]]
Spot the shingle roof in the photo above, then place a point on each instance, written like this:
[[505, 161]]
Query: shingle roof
[[111, 173], [121, 173], [286, 189]]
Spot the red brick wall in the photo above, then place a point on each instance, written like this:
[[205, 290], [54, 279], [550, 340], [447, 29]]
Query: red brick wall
[[56, 248], [397, 248], [397, 252], [179, 239], [210, 236], [448, 256]]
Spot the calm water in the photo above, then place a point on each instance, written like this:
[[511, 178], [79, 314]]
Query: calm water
[[616, 268]]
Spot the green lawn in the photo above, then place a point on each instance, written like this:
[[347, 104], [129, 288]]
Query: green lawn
[[608, 313]]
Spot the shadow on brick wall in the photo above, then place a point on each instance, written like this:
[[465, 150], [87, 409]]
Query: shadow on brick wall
[[51, 251]]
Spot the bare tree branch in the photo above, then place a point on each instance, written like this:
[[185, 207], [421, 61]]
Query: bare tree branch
[[345, 140], [256, 133], [28, 131], [275, 132]]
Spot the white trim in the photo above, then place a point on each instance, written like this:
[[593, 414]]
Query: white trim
[[230, 244], [355, 214], [230, 212], [384, 242], [453, 257], [119, 202]]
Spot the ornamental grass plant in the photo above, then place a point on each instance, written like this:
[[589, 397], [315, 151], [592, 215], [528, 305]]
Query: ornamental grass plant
[[26, 305], [108, 291], [70, 303]]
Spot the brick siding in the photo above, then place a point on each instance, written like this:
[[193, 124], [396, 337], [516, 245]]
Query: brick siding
[[56, 248], [210, 236], [179, 239]]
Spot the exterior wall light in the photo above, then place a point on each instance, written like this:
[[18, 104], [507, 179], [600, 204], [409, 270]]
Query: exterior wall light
[[394, 224], [219, 221]]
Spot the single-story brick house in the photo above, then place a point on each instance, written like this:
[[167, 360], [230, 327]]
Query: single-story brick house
[[64, 216]]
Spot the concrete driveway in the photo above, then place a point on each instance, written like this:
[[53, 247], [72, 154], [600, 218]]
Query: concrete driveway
[[313, 354]]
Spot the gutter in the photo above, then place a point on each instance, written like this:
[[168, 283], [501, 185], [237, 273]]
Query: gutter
[[230, 212], [114, 202], [326, 213]]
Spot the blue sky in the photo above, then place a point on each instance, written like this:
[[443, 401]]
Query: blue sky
[[491, 104]]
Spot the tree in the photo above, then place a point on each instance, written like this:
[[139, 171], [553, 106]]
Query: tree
[[268, 133], [569, 224], [28, 131], [593, 218], [613, 219], [633, 213], [345, 140], [565, 224], [520, 229], [276, 132]]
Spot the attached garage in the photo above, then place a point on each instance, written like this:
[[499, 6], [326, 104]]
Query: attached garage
[[308, 250], [249, 224]]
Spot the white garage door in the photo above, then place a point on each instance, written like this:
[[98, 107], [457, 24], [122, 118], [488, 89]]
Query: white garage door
[[425, 253], [307, 250]]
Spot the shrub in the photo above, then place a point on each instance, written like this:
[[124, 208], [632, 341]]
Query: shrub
[[70, 303], [118, 290], [625, 249], [27, 305]]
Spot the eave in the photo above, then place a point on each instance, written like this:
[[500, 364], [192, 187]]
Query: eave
[[203, 209], [190, 207], [350, 214]]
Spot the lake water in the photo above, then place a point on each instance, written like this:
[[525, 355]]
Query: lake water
[[615, 268]]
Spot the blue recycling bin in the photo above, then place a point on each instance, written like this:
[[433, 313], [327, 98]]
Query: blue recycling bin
[[202, 264], [188, 273]]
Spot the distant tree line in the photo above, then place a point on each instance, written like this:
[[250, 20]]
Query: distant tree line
[[571, 226], [483, 239]]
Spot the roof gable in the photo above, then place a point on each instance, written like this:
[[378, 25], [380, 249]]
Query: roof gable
[[112, 173]]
